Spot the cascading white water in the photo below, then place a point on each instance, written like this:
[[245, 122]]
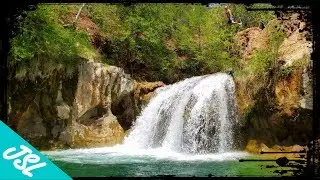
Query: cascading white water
[[191, 120], [193, 116]]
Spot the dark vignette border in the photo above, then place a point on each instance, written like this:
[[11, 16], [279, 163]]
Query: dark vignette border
[[11, 9]]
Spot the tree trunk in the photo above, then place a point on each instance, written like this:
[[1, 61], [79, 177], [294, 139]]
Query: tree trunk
[[77, 17], [199, 37]]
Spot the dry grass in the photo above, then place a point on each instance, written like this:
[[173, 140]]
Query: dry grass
[[287, 92]]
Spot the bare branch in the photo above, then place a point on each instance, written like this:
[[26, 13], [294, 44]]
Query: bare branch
[[77, 17]]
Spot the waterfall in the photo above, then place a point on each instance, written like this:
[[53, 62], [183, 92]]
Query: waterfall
[[195, 115], [191, 120]]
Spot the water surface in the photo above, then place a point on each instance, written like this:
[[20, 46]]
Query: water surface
[[117, 161]]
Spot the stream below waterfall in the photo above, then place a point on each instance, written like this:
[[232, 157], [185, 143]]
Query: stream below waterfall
[[187, 129], [117, 161]]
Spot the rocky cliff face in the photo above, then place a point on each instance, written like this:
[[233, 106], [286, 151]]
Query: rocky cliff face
[[94, 107], [278, 109]]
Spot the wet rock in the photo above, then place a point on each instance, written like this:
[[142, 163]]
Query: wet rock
[[145, 90], [282, 161], [33, 126]]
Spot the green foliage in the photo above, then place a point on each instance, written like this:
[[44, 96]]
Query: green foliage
[[169, 42], [44, 45], [286, 71], [166, 42], [107, 19], [265, 60], [276, 37], [253, 18], [261, 62], [296, 65]]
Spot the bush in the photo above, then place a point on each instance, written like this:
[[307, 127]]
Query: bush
[[286, 72], [166, 42], [261, 62], [265, 60], [43, 45], [163, 40], [253, 18]]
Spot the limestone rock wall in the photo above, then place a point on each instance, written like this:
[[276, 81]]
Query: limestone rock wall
[[92, 108], [278, 109]]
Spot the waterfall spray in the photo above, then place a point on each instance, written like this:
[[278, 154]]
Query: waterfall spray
[[191, 120], [195, 115]]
